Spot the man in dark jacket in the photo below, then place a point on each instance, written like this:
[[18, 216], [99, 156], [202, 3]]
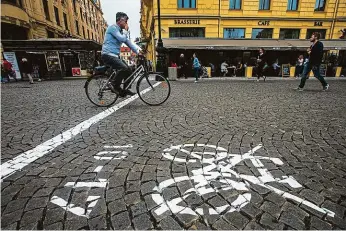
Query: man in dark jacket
[[315, 59], [27, 70]]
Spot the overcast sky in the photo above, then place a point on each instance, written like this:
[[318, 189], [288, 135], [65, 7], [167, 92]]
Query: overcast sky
[[130, 7]]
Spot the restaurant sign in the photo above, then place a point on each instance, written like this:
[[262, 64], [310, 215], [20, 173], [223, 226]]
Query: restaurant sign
[[187, 21]]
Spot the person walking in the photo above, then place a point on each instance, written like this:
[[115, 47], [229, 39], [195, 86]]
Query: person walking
[[261, 62], [8, 70], [27, 70], [182, 66], [299, 66], [196, 66], [315, 59]]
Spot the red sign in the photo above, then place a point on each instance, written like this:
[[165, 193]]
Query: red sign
[[76, 71]]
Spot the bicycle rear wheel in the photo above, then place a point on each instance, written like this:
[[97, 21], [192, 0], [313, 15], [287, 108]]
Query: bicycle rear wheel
[[153, 90], [98, 93]]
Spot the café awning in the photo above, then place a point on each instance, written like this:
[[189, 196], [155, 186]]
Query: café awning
[[63, 44], [247, 44]]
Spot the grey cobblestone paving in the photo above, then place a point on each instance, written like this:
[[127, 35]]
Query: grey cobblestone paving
[[305, 130]]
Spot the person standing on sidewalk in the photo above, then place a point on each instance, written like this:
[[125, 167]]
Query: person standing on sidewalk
[[27, 70], [315, 59], [261, 62], [196, 66], [182, 66], [8, 70]]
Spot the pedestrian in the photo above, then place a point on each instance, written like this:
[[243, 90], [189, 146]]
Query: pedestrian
[[196, 66], [299, 66], [315, 59], [182, 66], [239, 69], [27, 70], [261, 63], [224, 66], [8, 70]]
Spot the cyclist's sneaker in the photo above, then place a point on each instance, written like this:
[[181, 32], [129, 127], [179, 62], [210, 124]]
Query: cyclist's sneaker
[[128, 92], [299, 89], [325, 88]]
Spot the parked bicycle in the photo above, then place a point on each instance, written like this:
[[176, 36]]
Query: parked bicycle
[[152, 88]]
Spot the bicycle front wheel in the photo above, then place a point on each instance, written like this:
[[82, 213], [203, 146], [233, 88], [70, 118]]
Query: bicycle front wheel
[[98, 93], [153, 90]]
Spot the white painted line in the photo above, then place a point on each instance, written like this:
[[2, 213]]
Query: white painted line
[[124, 146], [22, 160], [101, 184], [98, 168]]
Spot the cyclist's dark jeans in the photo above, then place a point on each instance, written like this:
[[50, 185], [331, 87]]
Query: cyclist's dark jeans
[[123, 69]]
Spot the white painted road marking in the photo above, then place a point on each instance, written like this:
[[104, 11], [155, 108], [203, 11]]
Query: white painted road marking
[[22, 160]]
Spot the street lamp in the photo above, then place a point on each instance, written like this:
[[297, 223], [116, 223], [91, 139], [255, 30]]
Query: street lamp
[[161, 51]]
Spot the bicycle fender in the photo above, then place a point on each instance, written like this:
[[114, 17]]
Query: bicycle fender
[[88, 80]]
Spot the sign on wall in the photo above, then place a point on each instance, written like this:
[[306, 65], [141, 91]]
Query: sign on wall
[[11, 57], [187, 21]]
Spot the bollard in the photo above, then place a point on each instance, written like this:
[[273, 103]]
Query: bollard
[[172, 73], [248, 72], [292, 71], [338, 71]]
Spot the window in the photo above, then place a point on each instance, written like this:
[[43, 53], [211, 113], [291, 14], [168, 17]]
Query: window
[[186, 3], [15, 2], [186, 32], [57, 18], [233, 33], [50, 34], [321, 31], [83, 31], [292, 5], [74, 5], [320, 5], [264, 4], [235, 4], [65, 21], [77, 27], [262, 33], [46, 9], [81, 13], [289, 33]]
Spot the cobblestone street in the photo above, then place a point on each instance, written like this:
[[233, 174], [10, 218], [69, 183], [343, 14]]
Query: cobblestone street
[[219, 154]]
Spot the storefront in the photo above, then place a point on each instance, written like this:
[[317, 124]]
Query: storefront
[[281, 52], [55, 58]]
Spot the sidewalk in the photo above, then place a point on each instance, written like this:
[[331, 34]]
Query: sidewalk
[[255, 79]]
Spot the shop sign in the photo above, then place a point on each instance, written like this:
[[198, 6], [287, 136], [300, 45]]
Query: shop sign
[[263, 23], [11, 58], [187, 21], [53, 61], [318, 23]]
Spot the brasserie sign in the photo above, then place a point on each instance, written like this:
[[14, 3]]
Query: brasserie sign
[[187, 21]]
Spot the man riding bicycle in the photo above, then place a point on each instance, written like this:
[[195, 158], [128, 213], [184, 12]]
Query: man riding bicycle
[[115, 36]]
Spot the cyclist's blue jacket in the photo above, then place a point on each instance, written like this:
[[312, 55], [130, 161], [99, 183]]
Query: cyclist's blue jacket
[[114, 38]]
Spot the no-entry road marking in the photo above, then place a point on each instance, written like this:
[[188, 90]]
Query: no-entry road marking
[[19, 162]]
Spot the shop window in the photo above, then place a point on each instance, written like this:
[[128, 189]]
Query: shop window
[[320, 5], [65, 21], [292, 5], [77, 27], [289, 33], [233, 33], [264, 4], [46, 9], [235, 4], [57, 18], [186, 3], [262, 33], [321, 31], [187, 32]]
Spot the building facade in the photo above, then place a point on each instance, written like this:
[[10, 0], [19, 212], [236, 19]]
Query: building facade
[[215, 20], [28, 19]]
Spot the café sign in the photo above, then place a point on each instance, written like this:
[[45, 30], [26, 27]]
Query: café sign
[[263, 23], [187, 21]]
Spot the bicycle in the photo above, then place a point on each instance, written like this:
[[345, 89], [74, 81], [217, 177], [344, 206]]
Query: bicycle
[[152, 88]]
